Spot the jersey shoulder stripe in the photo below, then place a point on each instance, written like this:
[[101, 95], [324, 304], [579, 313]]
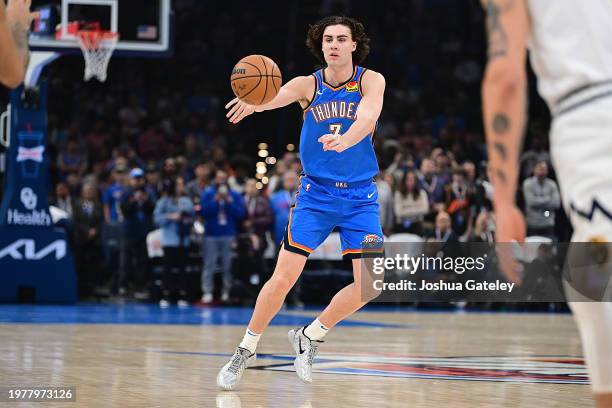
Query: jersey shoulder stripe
[[314, 94], [360, 80]]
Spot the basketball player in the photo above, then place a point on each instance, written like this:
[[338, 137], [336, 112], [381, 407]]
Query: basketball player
[[571, 53], [15, 20], [341, 105]]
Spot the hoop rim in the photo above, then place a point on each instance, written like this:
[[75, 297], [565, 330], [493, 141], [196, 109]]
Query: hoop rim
[[95, 37]]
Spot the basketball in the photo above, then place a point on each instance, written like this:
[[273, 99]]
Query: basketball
[[256, 79]]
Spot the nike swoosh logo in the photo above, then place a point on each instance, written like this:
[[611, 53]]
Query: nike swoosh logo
[[370, 195], [320, 93], [301, 349]]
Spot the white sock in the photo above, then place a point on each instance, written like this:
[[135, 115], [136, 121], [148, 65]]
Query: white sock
[[250, 340], [316, 330]]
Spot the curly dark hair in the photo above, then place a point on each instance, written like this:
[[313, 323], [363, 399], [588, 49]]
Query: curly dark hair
[[314, 38]]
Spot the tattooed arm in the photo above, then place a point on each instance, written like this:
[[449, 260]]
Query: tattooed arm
[[504, 102], [504, 92], [15, 22]]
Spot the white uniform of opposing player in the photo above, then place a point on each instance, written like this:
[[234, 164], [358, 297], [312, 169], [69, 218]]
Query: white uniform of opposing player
[[571, 53]]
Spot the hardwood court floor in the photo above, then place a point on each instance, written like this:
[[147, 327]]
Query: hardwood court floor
[[130, 357]]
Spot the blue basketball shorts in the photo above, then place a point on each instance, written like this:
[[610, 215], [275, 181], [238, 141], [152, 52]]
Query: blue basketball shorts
[[323, 205]]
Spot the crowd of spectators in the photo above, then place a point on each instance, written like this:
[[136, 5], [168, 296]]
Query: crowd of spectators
[[432, 196], [151, 148]]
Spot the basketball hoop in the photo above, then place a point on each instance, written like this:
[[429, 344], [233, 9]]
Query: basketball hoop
[[97, 46]]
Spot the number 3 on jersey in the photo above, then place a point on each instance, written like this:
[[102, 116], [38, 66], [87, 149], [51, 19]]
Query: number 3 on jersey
[[334, 128]]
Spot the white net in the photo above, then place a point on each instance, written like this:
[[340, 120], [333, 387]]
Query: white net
[[97, 47]]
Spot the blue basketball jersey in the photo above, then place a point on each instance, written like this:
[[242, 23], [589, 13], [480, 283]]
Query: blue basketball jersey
[[333, 110]]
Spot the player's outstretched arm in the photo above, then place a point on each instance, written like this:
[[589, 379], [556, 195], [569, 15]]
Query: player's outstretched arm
[[15, 20], [504, 97], [293, 91], [373, 90]]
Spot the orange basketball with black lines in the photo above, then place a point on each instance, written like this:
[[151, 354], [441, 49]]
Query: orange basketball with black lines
[[256, 79]]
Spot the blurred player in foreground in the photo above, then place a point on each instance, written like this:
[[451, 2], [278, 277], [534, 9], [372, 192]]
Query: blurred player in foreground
[[15, 20], [570, 45]]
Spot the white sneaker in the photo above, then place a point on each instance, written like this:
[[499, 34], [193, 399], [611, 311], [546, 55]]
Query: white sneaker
[[305, 350], [164, 303], [183, 303], [224, 297], [207, 298], [231, 373]]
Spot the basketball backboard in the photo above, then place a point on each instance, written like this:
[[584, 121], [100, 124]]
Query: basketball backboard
[[145, 27]]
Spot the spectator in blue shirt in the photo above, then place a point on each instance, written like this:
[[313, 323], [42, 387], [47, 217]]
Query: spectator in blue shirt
[[113, 230], [111, 198], [174, 214], [222, 209], [137, 209], [281, 202]]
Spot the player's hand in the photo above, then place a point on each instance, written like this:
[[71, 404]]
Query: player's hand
[[18, 12], [510, 226], [239, 110], [333, 142]]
